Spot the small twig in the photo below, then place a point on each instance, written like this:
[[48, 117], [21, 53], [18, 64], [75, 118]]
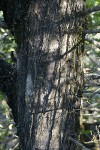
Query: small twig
[[71, 50], [93, 42], [16, 146], [78, 143], [57, 109], [95, 92], [7, 125], [91, 142], [93, 77], [92, 92], [92, 84], [93, 123]]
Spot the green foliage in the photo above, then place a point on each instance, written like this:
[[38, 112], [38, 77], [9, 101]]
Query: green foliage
[[7, 129], [91, 3], [7, 43], [94, 18]]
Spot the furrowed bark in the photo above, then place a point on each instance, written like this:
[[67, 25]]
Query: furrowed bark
[[49, 68]]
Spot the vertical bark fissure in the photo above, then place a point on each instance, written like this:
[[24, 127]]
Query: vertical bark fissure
[[49, 38], [50, 79]]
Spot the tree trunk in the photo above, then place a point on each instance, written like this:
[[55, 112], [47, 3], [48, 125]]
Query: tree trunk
[[49, 68]]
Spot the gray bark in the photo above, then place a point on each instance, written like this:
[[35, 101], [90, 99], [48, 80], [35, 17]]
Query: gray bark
[[50, 40]]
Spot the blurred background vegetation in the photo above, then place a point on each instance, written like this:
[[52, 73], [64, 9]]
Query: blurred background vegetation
[[90, 112]]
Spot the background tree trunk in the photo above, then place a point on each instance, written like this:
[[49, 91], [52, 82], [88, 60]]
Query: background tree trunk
[[49, 69]]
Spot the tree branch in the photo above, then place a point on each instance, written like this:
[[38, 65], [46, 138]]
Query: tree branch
[[93, 85], [91, 31], [90, 10], [92, 92], [93, 77]]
